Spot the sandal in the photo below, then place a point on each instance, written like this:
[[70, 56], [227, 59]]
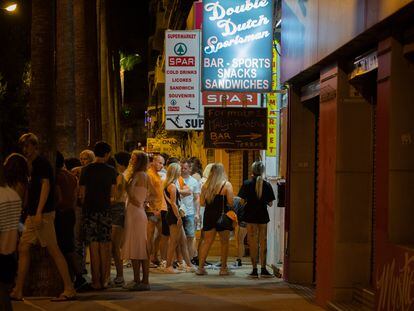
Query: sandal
[[64, 297], [14, 298]]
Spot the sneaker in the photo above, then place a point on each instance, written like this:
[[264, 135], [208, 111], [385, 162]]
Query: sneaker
[[201, 271], [181, 266], [253, 274], [195, 261], [265, 274], [225, 272], [190, 269], [153, 265], [163, 264], [118, 281]]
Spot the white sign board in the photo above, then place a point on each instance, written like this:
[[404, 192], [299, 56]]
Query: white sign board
[[182, 73], [184, 123]]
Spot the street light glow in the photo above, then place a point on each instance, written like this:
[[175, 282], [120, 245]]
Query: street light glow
[[11, 7]]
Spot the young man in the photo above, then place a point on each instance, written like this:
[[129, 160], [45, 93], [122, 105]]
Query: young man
[[97, 190], [156, 205], [39, 225], [66, 198], [190, 200]]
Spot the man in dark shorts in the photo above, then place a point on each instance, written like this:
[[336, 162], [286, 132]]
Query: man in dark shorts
[[39, 224], [97, 190], [66, 197]]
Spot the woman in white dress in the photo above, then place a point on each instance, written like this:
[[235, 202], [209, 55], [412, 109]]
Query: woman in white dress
[[135, 241]]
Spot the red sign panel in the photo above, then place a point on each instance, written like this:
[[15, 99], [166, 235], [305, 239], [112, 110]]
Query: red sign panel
[[181, 61], [230, 99]]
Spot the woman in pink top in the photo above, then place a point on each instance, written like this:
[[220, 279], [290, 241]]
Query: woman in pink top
[[135, 241]]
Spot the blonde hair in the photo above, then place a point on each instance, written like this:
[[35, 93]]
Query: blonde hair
[[29, 138], [140, 164], [215, 181], [173, 172], [258, 170], [207, 170], [89, 154]]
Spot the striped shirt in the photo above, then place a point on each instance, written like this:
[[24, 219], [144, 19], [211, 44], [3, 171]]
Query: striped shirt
[[10, 209]]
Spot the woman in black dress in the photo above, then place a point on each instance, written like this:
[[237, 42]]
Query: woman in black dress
[[257, 194], [216, 194]]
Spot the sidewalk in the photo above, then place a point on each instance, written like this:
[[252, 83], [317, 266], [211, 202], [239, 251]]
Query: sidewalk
[[187, 291]]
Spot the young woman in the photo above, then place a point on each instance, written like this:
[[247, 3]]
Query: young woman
[[118, 215], [16, 171], [257, 194], [177, 235], [134, 246], [216, 194], [10, 207]]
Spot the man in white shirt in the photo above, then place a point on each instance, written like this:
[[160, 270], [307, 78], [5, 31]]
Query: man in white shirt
[[190, 203]]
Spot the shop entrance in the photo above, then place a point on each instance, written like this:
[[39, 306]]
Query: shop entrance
[[301, 209], [363, 94]]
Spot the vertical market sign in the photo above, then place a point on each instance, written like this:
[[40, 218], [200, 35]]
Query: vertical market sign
[[273, 117], [237, 45], [182, 80]]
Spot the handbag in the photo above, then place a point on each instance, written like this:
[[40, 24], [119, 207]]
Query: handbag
[[224, 222]]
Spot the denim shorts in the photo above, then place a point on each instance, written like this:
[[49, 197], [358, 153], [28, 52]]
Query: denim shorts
[[189, 225]]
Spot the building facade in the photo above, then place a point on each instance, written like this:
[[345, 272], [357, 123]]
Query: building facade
[[349, 66]]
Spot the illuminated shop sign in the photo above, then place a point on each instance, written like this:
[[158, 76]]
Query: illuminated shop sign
[[237, 45]]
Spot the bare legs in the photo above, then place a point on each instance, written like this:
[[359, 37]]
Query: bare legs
[[24, 263], [208, 240], [224, 241], [116, 250], [257, 235], [241, 233], [177, 238], [100, 264], [154, 238]]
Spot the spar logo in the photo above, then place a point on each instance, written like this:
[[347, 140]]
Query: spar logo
[[180, 49], [173, 106]]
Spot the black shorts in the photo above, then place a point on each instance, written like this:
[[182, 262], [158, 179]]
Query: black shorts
[[165, 228], [211, 216], [65, 230]]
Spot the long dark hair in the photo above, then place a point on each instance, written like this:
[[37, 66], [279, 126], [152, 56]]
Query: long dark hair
[[16, 169]]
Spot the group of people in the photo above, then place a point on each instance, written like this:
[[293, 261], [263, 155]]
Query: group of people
[[135, 207]]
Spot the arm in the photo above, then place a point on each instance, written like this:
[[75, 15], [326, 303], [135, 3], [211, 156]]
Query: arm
[[113, 193], [197, 203], [185, 191], [172, 191], [44, 193], [202, 196], [229, 194], [82, 194]]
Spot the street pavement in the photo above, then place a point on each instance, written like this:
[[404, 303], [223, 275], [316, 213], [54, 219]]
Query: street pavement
[[187, 291]]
